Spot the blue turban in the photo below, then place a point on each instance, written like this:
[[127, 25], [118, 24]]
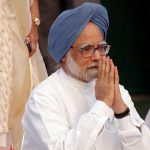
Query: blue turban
[[70, 23]]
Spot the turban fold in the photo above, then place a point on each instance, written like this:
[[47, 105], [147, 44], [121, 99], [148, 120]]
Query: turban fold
[[70, 23]]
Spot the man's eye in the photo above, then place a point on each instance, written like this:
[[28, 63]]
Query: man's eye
[[102, 47], [87, 48]]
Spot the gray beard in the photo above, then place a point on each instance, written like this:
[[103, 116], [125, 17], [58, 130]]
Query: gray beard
[[85, 75]]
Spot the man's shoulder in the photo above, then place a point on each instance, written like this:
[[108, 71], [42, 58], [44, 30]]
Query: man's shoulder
[[49, 84], [48, 91], [126, 96], [124, 92]]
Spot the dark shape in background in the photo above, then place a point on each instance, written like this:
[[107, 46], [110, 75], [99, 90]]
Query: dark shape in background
[[128, 34], [49, 10]]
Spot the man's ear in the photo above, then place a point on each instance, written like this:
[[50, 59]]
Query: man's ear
[[64, 58]]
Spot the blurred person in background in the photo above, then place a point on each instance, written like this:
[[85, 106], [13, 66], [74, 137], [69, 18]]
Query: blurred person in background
[[21, 65]]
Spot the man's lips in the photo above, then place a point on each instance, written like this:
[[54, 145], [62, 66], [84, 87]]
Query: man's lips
[[93, 67]]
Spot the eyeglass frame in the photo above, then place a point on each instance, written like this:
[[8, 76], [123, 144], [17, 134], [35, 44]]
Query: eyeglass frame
[[102, 43]]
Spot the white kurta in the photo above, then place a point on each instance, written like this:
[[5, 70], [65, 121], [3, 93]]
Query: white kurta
[[63, 114], [147, 119]]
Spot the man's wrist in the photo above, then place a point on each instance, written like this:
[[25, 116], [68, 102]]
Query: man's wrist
[[119, 107], [123, 114]]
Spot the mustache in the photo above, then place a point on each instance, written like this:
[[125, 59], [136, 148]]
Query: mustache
[[94, 64]]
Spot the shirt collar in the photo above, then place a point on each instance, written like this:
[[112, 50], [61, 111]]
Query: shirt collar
[[72, 81]]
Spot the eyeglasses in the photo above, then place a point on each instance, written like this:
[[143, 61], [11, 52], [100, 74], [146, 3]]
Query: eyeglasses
[[89, 49]]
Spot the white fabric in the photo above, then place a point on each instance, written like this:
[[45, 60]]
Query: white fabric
[[5, 139], [63, 114], [16, 73], [147, 119]]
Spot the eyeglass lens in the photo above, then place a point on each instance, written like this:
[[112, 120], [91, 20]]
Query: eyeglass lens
[[90, 49]]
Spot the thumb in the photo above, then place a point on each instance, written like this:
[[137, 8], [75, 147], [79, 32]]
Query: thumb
[[33, 47]]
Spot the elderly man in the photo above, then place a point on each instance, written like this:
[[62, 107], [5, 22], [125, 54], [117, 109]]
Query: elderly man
[[82, 106]]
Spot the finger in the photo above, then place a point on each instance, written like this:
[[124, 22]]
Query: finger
[[33, 42], [99, 68], [112, 71], [33, 47], [116, 75], [103, 66], [107, 66]]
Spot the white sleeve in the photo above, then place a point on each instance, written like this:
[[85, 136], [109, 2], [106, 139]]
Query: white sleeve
[[135, 135], [46, 127], [147, 119]]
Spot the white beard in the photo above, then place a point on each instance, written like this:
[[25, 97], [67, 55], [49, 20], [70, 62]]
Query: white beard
[[86, 75]]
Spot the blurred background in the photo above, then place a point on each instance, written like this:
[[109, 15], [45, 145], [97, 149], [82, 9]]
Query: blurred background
[[128, 36]]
